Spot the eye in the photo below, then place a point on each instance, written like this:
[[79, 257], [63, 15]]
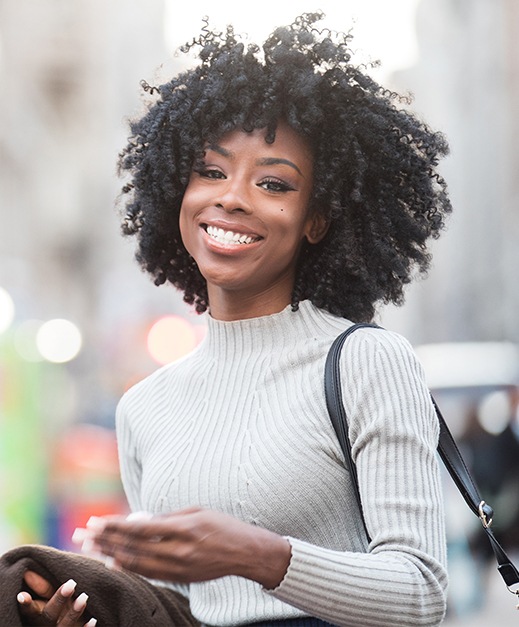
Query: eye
[[210, 173], [276, 185]]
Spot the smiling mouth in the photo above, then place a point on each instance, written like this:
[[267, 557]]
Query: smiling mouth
[[229, 237]]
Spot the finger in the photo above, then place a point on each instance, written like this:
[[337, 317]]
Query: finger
[[155, 529], [59, 603], [85, 540], [70, 617], [156, 567], [139, 516], [123, 553], [28, 607], [38, 584], [128, 545], [96, 524], [121, 550], [138, 523]]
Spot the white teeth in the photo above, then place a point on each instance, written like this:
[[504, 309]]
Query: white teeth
[[229, 237]]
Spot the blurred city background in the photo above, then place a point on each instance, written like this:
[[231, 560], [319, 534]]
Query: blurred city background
[[80, 323]]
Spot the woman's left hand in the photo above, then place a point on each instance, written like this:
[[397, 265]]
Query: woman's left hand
[[49, 606], [192, 545]]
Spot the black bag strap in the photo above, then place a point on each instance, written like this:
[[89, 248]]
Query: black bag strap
[[447, 449]]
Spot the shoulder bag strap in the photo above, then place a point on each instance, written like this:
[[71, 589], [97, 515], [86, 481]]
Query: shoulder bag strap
[[447, 448]]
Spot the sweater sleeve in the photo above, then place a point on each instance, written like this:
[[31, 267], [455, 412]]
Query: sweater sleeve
[[393, 429], [129, 463]]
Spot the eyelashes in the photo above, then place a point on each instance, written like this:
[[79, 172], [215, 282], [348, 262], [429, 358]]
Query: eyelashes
[[210, 173], [270, 184], [276, 185]]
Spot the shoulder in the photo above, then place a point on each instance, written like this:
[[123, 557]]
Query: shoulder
[[149, 389], [381, 356], [365, 346], [374, 344]]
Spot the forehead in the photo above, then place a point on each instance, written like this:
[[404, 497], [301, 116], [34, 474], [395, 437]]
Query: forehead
[[288, 143]]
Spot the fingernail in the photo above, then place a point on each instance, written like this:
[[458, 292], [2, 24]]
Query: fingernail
[[91, 623], [87, 546], [80, 603], [139, 516], [96, 523], [110, 563], [20, 598], [68, 588], [79, 535]]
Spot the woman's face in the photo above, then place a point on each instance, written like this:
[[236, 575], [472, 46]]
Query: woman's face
[[244, 216]]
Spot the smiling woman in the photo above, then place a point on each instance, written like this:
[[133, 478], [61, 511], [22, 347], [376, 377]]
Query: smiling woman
[[287, 194]]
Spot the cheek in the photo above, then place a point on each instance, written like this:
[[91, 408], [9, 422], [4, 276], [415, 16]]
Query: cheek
[[183, 225]]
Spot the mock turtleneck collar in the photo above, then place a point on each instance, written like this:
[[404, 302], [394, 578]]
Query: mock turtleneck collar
[[267, 332]]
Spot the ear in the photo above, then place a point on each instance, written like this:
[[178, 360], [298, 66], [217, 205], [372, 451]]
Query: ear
[[316, 227]]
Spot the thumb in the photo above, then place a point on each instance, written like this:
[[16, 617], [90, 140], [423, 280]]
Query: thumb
[[38, 584]]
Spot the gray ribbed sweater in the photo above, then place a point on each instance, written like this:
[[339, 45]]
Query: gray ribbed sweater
[[240, 425]]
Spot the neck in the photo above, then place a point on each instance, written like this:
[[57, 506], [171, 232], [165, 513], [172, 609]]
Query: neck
[[229, 306]]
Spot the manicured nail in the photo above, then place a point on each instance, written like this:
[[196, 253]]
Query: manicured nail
[[68, 588], [110, 563], [80, 603], [87, 546], [91, 623], [96, 523], [80, 534], [139, 516], [20, 598]]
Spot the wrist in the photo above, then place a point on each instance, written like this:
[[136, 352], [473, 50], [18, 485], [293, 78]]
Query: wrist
[[268, 559]]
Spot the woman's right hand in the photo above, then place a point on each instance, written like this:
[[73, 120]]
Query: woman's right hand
[[52, 607]]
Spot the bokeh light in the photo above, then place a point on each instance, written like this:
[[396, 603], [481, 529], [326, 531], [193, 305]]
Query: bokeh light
[[170, 338], [58, 340], [494, 411], [6, 310]]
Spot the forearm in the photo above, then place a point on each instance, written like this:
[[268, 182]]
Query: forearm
[[386, 589]]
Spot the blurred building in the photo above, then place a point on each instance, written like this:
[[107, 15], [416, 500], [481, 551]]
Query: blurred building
[[466, 84], [70, 75]]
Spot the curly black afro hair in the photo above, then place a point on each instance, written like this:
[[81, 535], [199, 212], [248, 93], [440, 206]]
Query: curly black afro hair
[[374, 163]]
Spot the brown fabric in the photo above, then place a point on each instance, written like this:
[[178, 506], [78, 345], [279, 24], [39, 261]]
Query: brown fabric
[[117, 599]]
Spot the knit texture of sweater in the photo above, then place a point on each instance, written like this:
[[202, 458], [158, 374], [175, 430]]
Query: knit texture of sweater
[[240, 425]]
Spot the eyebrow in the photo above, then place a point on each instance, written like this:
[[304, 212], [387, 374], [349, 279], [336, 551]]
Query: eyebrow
[[219, 150], [265, 161], [279, 161]]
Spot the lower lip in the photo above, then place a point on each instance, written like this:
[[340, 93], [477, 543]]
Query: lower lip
[[228, 249]]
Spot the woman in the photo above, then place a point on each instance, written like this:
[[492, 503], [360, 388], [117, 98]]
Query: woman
[[285, 192]]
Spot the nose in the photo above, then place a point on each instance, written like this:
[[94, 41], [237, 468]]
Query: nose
[[233, 197]]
